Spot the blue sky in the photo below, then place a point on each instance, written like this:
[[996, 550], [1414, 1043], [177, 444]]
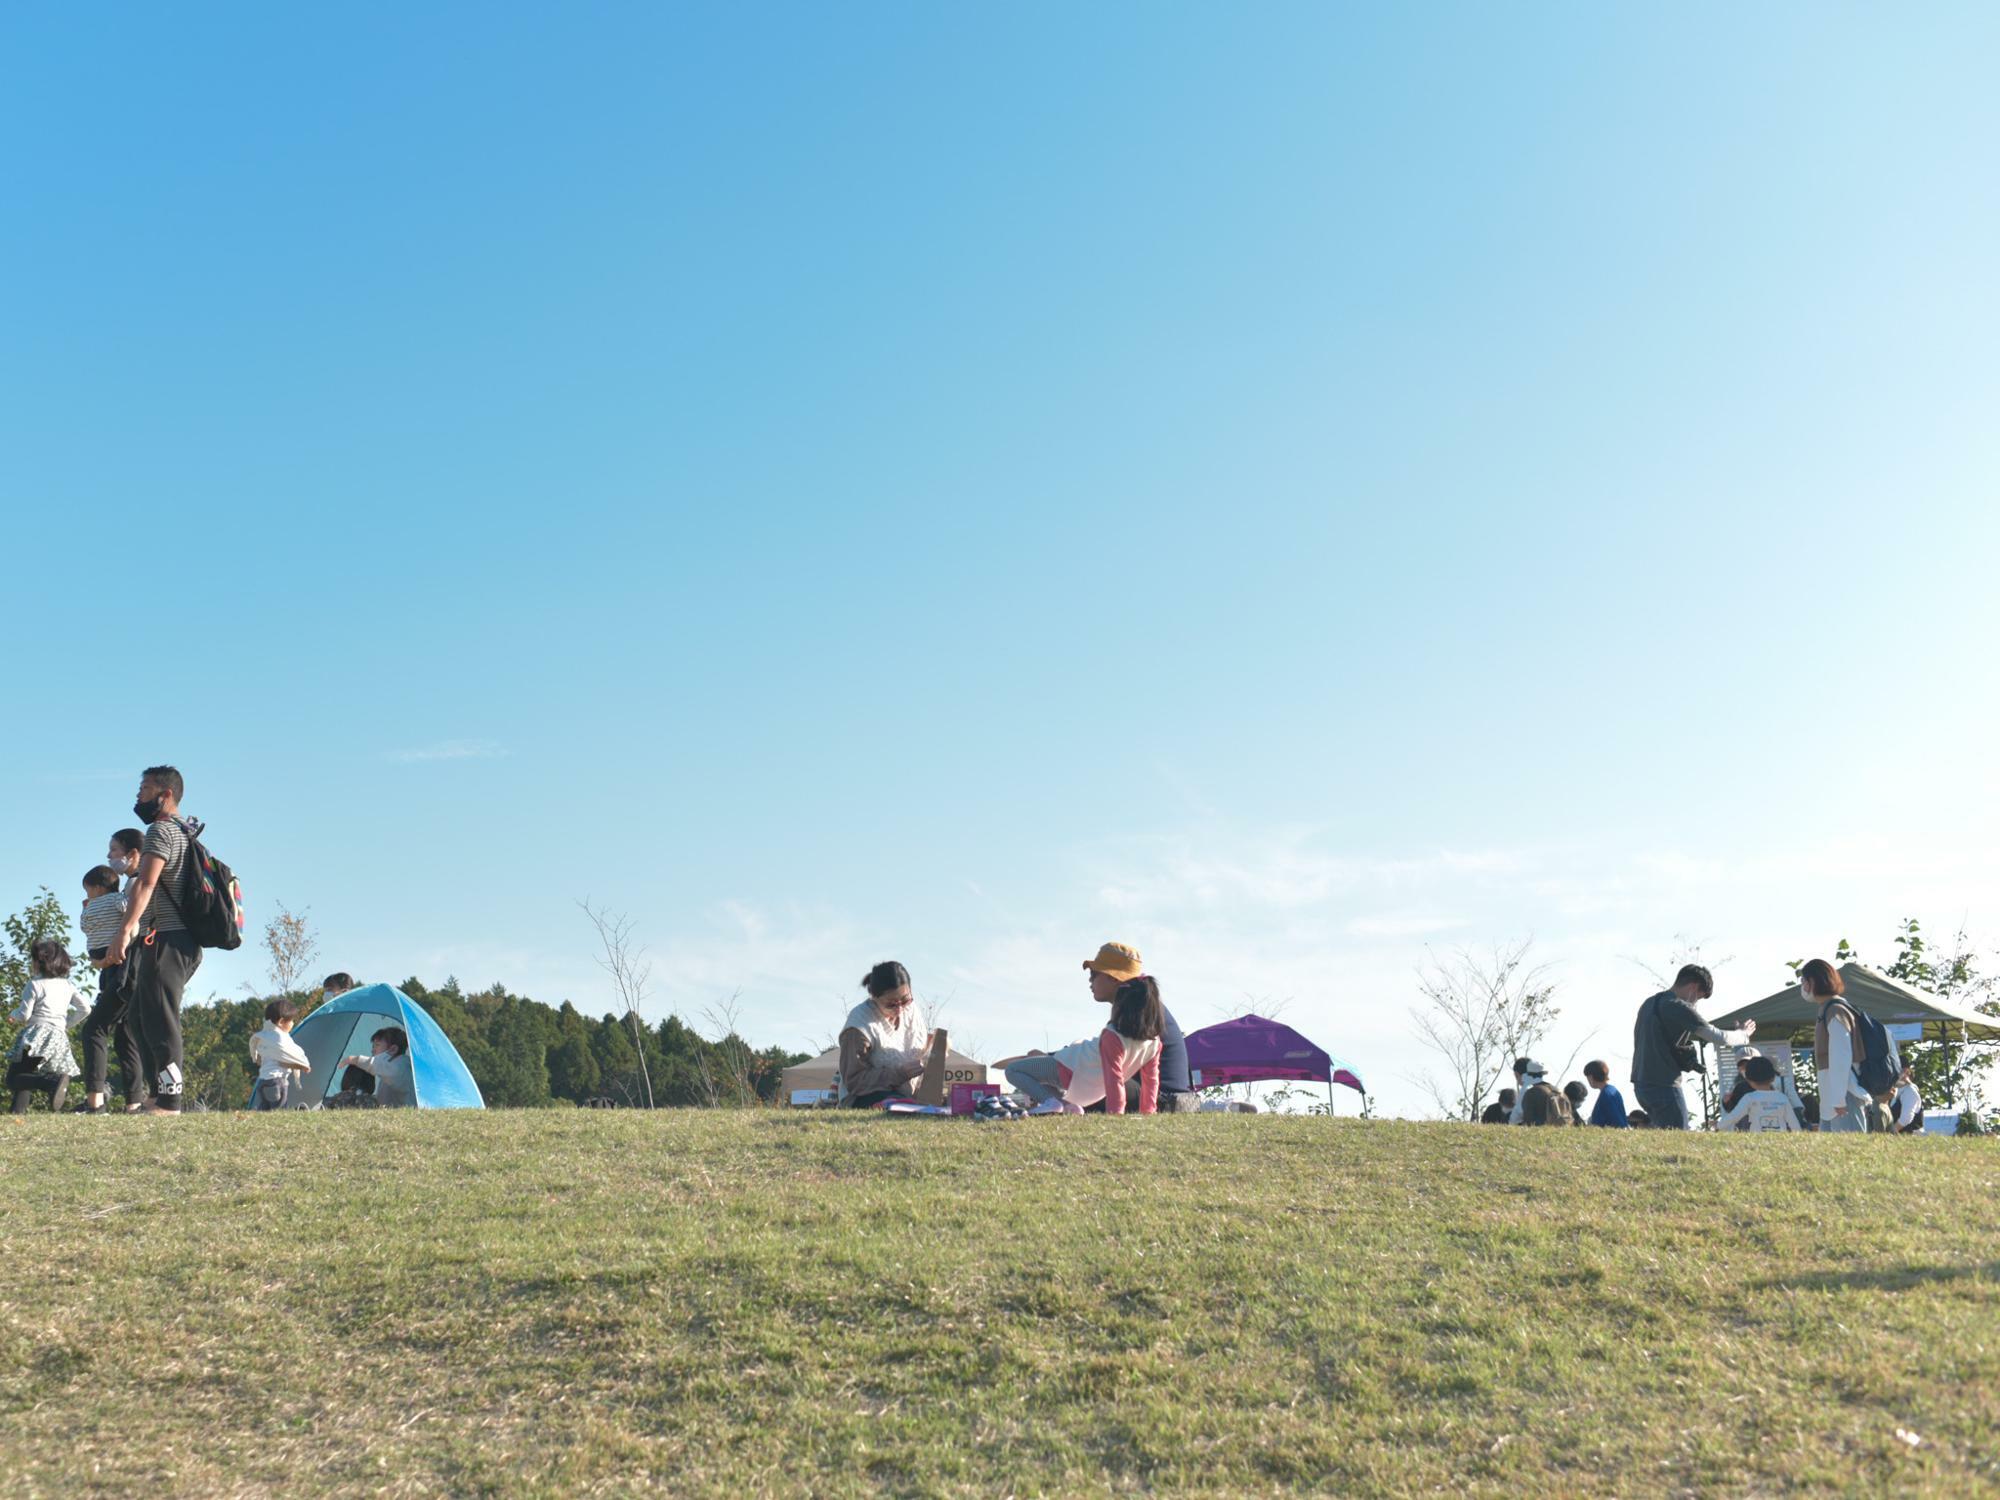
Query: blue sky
[[1281, 485]]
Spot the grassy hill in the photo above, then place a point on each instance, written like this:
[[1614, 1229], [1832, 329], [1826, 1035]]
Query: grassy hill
[[572, 1303]]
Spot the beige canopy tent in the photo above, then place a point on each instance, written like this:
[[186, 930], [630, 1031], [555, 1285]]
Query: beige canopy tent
[[1888, 1000], [821, 1071]]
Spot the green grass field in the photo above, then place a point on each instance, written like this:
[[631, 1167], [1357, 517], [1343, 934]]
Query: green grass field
[[569, 1303]]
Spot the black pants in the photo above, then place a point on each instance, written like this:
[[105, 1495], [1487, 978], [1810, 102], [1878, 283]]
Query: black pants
[[111, 1023], [26, 1082], [166, 963]]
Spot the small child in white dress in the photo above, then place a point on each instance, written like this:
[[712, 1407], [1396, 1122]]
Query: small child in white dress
[[41, 1059]]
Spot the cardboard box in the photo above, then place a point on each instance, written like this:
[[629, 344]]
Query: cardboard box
[[931, 1089]]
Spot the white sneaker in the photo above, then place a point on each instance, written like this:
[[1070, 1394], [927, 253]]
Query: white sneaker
[[1051, 1107]]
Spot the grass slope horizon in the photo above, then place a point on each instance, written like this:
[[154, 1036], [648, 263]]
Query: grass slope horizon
[[527, 1303]]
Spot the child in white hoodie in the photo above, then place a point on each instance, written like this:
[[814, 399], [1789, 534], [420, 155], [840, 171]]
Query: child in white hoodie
[[276, 1057]]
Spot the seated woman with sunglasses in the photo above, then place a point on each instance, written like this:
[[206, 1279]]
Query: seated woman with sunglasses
[[882, 1044]]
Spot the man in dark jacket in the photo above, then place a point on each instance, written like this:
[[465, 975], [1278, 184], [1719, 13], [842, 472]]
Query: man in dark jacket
[[1666, 1042]]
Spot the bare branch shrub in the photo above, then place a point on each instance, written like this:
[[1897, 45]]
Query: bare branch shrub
[[289, 940], [1478, 1015], [630, 972], [728, 1079]]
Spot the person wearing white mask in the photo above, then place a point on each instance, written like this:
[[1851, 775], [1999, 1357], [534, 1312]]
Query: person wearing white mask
[[1527, 1073], [111, 1021], [1842, 1102]]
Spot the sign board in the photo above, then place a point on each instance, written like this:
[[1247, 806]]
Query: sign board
[[1905, 1031]]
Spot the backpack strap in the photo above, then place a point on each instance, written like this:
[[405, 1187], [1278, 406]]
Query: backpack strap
[[187, 855]]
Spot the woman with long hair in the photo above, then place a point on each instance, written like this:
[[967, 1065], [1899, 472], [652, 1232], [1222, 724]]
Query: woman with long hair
[[1843, 1103], [1071, 1079]]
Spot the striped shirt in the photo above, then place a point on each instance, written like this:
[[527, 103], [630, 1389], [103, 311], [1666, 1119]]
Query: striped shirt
[[169, 840], [102, 917]]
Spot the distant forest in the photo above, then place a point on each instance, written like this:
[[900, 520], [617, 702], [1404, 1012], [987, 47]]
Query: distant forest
[[523, 1054]]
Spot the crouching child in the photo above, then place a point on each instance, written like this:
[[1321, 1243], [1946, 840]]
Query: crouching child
[[276, 1057]]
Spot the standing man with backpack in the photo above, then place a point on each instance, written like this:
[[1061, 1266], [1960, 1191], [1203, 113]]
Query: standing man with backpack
[[1666, 1042], [168, 953]]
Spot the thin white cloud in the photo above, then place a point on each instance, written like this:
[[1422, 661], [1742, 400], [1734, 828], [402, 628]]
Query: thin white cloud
[[1401, 925], [450, 750]]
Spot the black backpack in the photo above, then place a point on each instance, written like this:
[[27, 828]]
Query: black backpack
[[210, 900], [1877, 1062]]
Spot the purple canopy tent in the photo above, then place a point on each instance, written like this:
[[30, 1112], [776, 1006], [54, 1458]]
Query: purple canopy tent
[[1251, 1049]]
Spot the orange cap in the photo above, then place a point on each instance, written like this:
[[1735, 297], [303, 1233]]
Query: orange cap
[[1119, 960]]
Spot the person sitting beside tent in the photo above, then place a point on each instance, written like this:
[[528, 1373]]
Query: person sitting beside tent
[[389, 1061], [883, 1043], [1907, 1104]]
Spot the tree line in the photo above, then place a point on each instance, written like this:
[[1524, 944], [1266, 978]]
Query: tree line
[[522, 1053]]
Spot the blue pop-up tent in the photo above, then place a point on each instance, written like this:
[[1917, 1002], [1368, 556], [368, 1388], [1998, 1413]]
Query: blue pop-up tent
[[341, 1028]]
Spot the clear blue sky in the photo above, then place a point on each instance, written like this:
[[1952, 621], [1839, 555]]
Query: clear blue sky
[[1281, 485]]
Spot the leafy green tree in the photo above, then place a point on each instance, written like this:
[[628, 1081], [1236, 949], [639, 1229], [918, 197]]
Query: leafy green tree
[[617, 1061], [517, 1043], [215, 1051], [1944, 1072], [43, 917], [573, 1070]]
